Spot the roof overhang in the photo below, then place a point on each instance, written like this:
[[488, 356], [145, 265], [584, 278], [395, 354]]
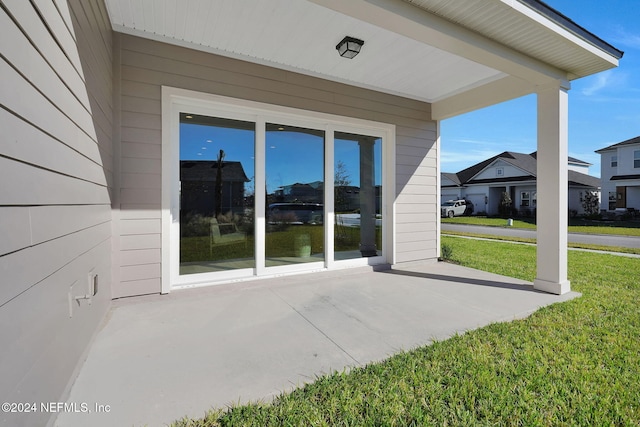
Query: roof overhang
[[625, 178], [512, 179], [626, 143], [457, 55]]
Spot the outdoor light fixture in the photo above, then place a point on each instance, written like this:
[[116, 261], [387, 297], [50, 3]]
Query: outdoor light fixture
[[349, 47]]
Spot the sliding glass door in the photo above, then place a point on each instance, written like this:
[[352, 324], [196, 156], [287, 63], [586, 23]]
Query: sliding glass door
[[216, 194], [251, 193], [357, 196], [295, 195]]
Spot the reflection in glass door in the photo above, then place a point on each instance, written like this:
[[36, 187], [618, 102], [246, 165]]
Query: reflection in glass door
[[295, 195], [357, 196], [216, 194]]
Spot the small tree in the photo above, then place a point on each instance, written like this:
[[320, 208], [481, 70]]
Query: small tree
[[341, 181], [590, 203], [505, 204]]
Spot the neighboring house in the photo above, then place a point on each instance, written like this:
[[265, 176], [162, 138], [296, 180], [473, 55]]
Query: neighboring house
[[96, 95], [620, 173], [198, 187], [300, 192], [513, 173]]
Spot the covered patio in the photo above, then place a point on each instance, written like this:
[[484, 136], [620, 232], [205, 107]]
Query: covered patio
[[160, 358], [431, 59]]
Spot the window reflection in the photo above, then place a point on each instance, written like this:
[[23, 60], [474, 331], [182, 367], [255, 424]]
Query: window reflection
[[216, 194], [295, 195], [357, 196]]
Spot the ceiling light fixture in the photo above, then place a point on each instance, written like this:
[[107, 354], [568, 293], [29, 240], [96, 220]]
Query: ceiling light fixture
[[349, 47]]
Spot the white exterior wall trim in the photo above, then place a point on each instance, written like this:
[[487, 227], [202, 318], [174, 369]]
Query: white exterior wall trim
[[176, 99], [439, 190]]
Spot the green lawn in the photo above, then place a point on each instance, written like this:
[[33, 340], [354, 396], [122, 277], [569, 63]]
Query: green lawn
[[279, 243], [491, 222], [622, 228], [575, 363], [533, 241]]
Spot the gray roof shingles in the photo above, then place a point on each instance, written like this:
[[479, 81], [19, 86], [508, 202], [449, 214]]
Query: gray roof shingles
[[631, 141], [206, 170], [527, 163]]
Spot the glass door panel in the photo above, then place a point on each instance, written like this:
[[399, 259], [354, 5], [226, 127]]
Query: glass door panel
[[357, 196], [295, 195], [216, 194]]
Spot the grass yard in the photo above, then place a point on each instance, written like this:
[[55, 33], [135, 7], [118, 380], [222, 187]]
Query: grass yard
[[490, 222], [533, 241], [575, 363], [279, 243], [621, 228]]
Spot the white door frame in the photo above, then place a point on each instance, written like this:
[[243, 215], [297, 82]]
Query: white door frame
[[175, 100]]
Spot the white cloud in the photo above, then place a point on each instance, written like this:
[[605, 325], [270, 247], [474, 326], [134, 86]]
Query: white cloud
[[624, 38], [467, 157], [599, 82], [460, 153], [455, 161]]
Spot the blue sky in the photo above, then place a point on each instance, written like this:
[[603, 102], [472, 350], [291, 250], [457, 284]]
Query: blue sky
[[603, 109], [291, 157]]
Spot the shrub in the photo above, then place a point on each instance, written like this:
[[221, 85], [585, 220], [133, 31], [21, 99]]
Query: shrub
[[590, 202], [281, 221], [193, 225], [597, 216], [505, 205], [446, 252]]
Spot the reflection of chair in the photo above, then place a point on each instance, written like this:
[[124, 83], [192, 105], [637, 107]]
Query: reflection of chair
[[224, 234]]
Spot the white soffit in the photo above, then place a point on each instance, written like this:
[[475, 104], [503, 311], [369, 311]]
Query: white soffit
[[301, 36], [513, 23]]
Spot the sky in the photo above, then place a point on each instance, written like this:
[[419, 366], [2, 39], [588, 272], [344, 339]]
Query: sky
[[291, 157], [604, 109]]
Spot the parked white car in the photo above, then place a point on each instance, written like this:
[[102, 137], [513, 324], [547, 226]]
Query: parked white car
[[455, 208]]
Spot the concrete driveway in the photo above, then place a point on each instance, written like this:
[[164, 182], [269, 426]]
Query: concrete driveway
[[159, 358]]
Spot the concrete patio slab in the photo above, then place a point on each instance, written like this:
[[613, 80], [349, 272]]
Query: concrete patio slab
[[160, 358]]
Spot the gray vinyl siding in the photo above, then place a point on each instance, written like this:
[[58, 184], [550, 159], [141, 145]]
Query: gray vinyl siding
[[147, 65], [55, 206], [416, 194]]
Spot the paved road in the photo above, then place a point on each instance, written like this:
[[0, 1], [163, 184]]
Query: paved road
[[594, 239]]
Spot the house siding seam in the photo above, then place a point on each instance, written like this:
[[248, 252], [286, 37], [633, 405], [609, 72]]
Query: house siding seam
[[147, 65], [55, 206]]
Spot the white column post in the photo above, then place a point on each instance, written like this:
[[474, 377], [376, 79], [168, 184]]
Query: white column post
[[552, 188]]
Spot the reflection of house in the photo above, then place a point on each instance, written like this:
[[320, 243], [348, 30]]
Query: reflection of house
[[513, 173], [347, 198], [198, 181], [299, 192], [620, 173]]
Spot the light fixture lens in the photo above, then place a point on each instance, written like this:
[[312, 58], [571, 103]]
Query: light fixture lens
[[349, 47]]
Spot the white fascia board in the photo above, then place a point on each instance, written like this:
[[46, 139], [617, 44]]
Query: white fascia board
[[563, 32], [408, 20]]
